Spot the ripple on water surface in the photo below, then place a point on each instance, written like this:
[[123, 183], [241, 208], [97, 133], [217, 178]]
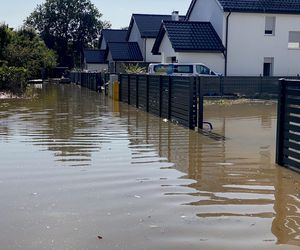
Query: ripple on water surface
[[81, 172]]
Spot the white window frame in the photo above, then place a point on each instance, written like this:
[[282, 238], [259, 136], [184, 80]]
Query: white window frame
[[271, 22], [292, 43]]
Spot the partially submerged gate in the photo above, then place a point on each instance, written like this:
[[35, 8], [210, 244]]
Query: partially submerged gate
[[288, 127]]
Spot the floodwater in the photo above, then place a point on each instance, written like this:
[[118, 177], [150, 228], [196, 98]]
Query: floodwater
[[81, 172]]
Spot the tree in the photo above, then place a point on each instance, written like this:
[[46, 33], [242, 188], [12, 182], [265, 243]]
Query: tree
[[27, 50], [67, 26], [5, 38]]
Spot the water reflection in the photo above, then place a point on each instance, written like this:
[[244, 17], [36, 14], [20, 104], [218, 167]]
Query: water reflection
[[232, 185], [235, 178]]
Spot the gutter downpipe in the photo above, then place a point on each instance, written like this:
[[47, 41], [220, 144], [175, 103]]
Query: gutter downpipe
[[226, 42]]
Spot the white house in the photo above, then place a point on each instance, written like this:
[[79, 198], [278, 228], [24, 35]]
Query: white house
[[144, 28], [260, 37], [190, 42]]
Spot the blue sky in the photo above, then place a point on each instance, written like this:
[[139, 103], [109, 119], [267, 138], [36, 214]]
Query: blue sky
[[118, 12]]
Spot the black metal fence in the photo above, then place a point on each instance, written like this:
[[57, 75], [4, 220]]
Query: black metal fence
[[177, 99], [255, 86], [93, 81], [288, 128]]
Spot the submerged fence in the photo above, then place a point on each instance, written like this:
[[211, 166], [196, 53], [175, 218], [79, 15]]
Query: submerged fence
[[252, 86], [178, 99], [93, 81], [288, 128]]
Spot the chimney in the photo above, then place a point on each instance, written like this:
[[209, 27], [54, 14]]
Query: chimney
[[175, 15]]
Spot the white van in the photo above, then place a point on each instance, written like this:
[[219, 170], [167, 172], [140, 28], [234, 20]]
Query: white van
[[182, 69]]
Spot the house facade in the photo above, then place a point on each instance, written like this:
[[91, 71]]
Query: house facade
[[144, 29], [260, 37], [94, 60], [190, 42]]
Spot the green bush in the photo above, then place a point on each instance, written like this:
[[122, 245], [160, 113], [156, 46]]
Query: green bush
[[134, 69], [13, 79]]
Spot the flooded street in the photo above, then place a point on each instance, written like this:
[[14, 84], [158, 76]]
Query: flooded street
[[81, 172]]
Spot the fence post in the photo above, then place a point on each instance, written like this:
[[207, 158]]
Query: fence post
[[147, 93], [261, 85], [169, 97], [280, 122], [200, 103], [120, 88], [191, 103]]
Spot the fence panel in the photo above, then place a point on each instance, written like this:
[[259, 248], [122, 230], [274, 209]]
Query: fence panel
[[124, 88], [154, 95], [212, 86], [242, 85], [143, 92], [182, 100], [166, 97], [133, 89], [288, 129]]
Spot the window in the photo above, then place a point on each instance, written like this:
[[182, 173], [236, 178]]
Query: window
[[174, 59], [183, 69], [201, 69], [163, 69], [294, 40], [268, 66], [270, 25]]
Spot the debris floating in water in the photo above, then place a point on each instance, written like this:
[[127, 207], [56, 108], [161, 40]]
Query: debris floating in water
[[225, 164]]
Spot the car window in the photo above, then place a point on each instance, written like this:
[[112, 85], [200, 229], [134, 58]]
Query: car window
[[163, 69], [184, 69], [203, 70]]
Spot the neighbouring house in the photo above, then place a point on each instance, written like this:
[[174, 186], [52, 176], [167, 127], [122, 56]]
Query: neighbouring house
[[94, 60], [260, 37], [123, 53], [144, 29], [111, 35], [190, 42]]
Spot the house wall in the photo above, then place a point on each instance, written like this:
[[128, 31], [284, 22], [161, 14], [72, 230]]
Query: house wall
[[135, 36], [248, 45], [209, 11], [215, 61], [166, 50], [96, 67], [149, 56]]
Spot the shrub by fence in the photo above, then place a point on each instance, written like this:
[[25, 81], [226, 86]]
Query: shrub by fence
[[177, 99], [288, 128]]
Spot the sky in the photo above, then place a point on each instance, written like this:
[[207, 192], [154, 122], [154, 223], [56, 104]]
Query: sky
[[118, 12]]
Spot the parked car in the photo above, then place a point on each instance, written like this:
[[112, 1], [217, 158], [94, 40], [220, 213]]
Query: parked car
[[182, 69]]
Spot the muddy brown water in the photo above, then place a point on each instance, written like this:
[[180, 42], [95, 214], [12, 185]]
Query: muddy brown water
[[81, 172]]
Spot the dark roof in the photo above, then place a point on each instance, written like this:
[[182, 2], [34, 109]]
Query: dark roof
[[189, 36], [268, 6], [125, 51], [256, 6], [94, 56], [149, 24], [111, 35]]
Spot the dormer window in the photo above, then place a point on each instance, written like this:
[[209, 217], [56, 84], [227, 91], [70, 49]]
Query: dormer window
[[270, 25]]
